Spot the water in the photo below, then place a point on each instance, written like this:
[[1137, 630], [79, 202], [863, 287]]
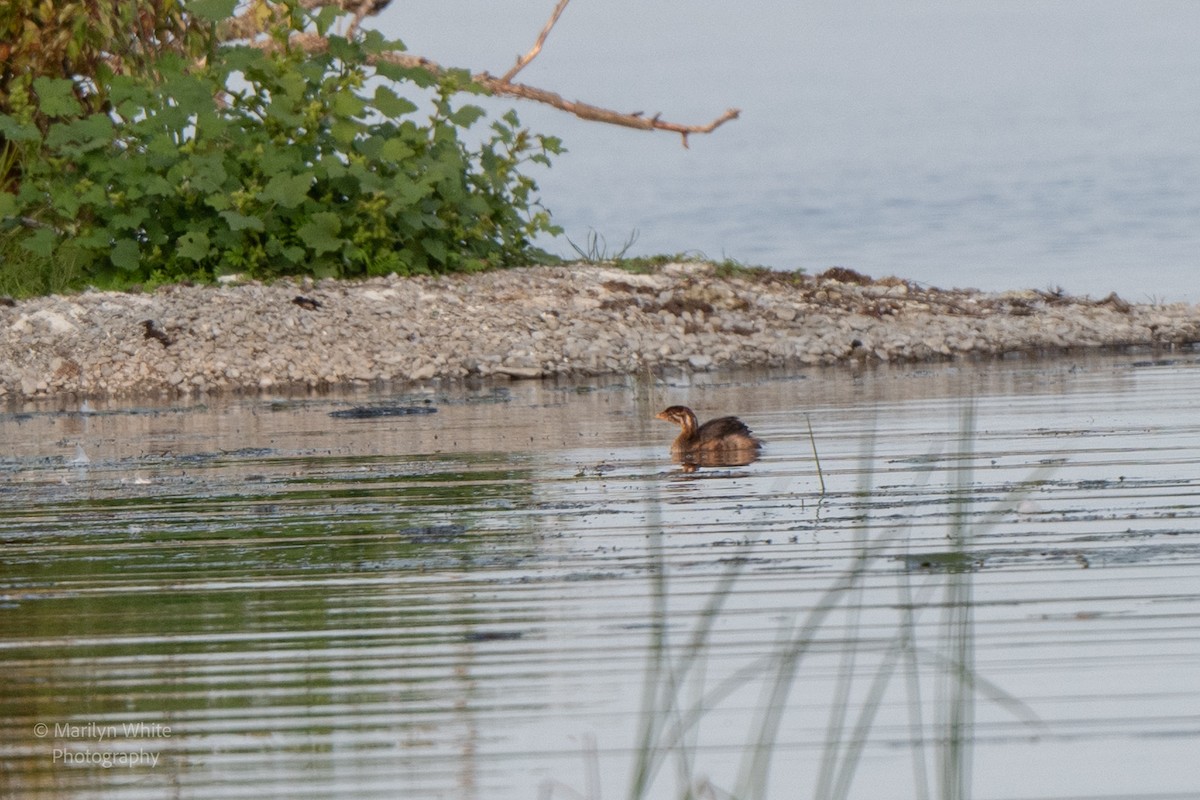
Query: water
[[997, 584], [995, 145]]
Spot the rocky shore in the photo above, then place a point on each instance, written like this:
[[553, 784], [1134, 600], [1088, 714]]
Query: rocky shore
[[532, 322]]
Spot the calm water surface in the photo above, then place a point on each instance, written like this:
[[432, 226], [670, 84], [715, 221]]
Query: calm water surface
[[1001, 145], [520, 596]]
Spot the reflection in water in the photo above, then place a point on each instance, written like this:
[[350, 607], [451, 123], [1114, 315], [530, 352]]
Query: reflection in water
[[691, 461], [451, 605]]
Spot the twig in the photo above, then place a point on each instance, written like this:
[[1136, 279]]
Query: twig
[[243, 28], [360, 13], [537, 46], [597, 113], [582, 110]]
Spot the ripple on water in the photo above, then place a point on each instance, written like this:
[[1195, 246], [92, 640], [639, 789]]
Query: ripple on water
[[474, 603]]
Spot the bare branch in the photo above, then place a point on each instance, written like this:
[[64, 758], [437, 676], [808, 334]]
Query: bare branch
[[313, 43], [587, 111], [362, 9], [537, 46], [598, 114]]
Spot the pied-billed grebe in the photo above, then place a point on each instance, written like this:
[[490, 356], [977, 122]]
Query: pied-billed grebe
[[725, 438]]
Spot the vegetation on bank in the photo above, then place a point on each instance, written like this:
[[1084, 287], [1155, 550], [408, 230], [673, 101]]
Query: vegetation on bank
[[138, 147], [594, 251]]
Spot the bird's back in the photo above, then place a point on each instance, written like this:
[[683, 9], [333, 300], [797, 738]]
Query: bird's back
[[725, 433]]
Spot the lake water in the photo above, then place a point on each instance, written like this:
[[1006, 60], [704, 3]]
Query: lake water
[[1020, 144], [517, 595]]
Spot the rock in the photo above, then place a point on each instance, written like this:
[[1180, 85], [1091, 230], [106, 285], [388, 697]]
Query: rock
[[423, 372], [582, 303], [541, 320], [519, 372], [43, 319]]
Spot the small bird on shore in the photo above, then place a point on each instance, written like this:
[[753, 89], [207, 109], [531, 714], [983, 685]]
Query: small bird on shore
[[721, 442]]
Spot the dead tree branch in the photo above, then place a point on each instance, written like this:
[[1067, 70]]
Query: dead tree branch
[[598, 114], [248, 27], [499, 86], [537, 46]]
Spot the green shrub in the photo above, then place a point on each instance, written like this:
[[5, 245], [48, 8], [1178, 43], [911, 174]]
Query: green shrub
[[89, 41], [268, 161]]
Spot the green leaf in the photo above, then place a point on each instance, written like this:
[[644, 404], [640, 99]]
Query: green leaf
[[293, 86], [323, 269], [241, 58], [331, 168], [56, 96], [162, 145], [466, 116], [320, 232], [193, 245], [65, 199], [212, 10], [81, 135], [283, 113], [374, 42], [125, 255], [16, 131], [95, 239], [125, 89], [326, 17], [406, 193], [348, 104], [436, 250], [344, 50], [209, 175], [345, 131], [285, 160], [287, 191], [218, 201], [130, 220], [241, 222], [41, 242], [392, 105], [189, 93], [395, 150], [395, 72], [8, 205], [157, 186]]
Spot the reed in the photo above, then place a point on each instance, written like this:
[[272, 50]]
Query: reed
[[677, 696], [816, 456]]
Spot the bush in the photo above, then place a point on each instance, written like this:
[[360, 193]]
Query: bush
[[87, 40], [267, 161]]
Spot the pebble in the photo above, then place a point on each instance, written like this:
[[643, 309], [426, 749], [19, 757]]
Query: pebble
[[534, 322]]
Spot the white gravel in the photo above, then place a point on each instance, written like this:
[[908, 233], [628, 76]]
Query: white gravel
[[532, 322]]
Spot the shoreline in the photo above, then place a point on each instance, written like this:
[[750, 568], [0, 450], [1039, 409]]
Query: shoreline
[[533, 322]]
